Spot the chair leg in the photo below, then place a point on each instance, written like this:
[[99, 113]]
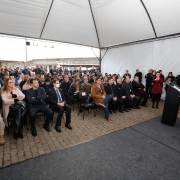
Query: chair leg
[[27, 127], [79, 112], [94, 112], [52, 119], [84, 112]]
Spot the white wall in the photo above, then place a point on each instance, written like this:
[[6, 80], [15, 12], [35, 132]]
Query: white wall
[[164, 55]]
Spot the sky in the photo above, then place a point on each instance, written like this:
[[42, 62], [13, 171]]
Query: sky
[[14, 49]]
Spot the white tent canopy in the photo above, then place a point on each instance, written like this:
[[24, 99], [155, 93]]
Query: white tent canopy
[[95, 23]]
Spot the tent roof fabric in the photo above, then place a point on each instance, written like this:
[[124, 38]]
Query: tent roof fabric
[[95, 23]]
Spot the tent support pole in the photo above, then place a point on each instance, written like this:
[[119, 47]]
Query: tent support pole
[[100, 60], [149, 18], [46, 18]]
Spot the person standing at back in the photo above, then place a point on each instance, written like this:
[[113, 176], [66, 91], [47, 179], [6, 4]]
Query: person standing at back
[[149, 77], [139, 75], [26, 71]]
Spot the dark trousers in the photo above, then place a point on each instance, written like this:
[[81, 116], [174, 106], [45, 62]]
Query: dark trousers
[[66, 94], [112, 105], [120, 102], [145, 97], [18, 120], [60, 111], [131, 101], [40, 108], [156, 97]]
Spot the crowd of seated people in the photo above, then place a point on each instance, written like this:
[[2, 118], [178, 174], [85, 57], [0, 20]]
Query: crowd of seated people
[[56, 91]]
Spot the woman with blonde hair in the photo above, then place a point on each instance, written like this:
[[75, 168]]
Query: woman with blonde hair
[[74, 91], [10, 95], [27, 85]]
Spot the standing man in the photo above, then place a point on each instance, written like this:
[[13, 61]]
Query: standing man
[[58, 104], [36, 103], [26, 71], [149, 78], [52, 71], [127, 74], [139, 75]]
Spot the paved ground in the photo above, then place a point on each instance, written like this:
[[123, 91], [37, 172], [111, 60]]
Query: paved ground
[[83, 130]]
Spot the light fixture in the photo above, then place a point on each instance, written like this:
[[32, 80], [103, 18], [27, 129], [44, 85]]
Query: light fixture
[[35, 43], [51, 45], [44, 44]]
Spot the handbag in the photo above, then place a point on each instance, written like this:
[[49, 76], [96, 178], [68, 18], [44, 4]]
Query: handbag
[[17, 105]]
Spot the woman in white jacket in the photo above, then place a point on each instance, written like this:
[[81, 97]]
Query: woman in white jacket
[[10, 94]]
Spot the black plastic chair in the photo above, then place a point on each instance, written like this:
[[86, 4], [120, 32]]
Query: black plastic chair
[[84, 105]]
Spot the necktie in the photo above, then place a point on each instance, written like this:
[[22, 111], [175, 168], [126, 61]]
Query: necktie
[[36, 92], [59, 96]]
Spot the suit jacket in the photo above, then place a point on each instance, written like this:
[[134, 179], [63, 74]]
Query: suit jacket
[[120, 91], [110, 89], [97, 94], [53, 99], [38, 100], [128, 89], [136, 87]]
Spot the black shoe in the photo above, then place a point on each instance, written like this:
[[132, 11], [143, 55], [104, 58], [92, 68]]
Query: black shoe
[[137, 107], [21, 135], [110, 112], [121, 111], [68, 126], [57, 128], [46, 127], [33, 131], [129, 108], [144, 105], [80, 110], [125, 110], [16, 136]]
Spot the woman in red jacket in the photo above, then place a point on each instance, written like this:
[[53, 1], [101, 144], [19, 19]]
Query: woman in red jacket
[[157, 89]]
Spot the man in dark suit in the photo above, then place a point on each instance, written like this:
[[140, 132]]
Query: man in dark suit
[[36, 103], [58, 104], [111, 89], [139, 75], [121, 94], [131, 98], [138, 89]]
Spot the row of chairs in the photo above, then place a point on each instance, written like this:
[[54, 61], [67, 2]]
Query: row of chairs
[[82, 104]]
